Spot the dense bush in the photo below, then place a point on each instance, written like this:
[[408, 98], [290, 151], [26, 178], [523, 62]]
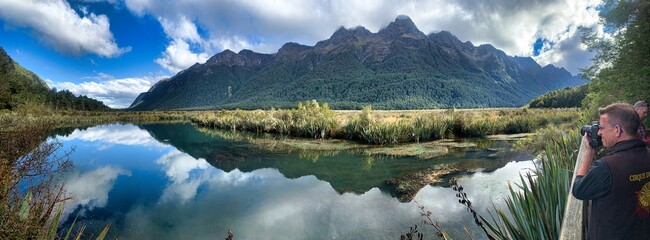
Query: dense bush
[[562, 98]]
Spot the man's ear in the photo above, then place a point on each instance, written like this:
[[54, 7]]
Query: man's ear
[[619, 130]]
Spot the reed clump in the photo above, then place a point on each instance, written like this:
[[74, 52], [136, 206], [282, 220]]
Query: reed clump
[[72, 118], [310, 119], [315, 121]]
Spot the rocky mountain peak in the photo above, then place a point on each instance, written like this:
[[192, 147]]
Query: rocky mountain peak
[[226, 57], [444, 36], [246, 53], [343, 33], [348, 70], [403, 25], [243, 58], [290, 50]]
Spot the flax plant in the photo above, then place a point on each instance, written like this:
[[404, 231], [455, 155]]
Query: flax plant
[[536, 204]]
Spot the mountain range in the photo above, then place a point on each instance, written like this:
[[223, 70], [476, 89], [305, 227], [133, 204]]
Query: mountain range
[[399, 67]]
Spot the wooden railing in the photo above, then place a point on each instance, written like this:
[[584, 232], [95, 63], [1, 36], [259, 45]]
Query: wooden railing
[[574, 222]]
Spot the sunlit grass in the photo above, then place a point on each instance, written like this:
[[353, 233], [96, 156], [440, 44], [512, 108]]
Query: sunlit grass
[[386, 127], [57, 119]]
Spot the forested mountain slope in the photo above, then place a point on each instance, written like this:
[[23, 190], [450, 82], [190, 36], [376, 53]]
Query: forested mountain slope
[[398, 67]]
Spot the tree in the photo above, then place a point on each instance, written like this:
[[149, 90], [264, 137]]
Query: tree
[[621, 70]]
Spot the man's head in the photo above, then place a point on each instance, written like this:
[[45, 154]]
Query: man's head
[[618, 122], [641, 108]]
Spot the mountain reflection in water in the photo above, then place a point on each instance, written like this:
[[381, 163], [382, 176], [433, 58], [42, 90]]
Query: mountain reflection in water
[[174, 182]]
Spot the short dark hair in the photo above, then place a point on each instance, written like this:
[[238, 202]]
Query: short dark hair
[[640, 104], [624, 114]]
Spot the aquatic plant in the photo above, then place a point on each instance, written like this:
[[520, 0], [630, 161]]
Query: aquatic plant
[[315, 121], [308, 120]]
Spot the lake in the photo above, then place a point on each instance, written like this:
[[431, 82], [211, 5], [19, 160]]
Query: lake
[[172, 181]]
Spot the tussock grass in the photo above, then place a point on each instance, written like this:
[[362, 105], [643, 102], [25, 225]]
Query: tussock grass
[[386, 127], [308, 120], [66, 118]]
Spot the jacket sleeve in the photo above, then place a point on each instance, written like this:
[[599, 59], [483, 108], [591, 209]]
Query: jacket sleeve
[[595, 184]]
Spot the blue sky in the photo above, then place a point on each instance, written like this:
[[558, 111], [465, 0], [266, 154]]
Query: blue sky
[[112, 50]]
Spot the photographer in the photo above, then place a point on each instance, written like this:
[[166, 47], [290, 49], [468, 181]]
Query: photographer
[[618, 184], [641, 108]]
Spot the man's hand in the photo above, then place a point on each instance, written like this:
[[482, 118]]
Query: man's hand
[[588, 155], [588, 150]]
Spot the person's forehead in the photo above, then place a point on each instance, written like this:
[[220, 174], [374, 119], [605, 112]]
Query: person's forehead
[[604, 118]]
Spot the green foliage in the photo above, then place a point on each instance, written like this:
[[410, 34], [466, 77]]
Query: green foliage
[[65, 100], [561, 98], [310, 120], [622, 66], [21, 88]]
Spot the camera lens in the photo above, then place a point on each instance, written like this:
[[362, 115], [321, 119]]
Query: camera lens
[[585, 129]]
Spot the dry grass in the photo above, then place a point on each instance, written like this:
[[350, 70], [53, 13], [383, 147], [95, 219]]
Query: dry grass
[[387, 126]]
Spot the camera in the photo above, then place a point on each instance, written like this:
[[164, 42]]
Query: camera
[[592, 132]]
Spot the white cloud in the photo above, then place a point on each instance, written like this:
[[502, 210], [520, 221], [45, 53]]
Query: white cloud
[[264, 26], [178, 56], [569, 53], [182, 28], [97, 1], [184, 34], [56, 24], [115, 93], [137, 6]]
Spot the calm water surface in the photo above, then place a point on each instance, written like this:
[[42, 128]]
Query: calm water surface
[[174, 182]]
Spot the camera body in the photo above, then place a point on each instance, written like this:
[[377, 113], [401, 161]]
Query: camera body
[[592, 133]]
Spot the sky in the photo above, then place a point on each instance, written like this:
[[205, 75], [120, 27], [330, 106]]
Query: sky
[[112, 50]]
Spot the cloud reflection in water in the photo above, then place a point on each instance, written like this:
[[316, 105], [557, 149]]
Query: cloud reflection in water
[[90, 189], [115, 134], [199, 201], [263, 204]]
